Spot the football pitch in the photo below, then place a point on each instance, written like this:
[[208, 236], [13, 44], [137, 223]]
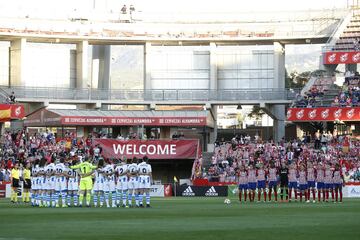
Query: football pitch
[[185, 218]]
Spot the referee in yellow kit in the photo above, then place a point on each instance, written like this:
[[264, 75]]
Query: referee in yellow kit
[[27, 183], [15, 176]]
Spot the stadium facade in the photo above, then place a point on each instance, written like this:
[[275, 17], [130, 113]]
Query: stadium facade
[[97, 63]]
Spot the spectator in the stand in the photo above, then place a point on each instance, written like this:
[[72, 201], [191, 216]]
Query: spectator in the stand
[[356, 43], [123, 9], [12, 98], [132, 8], [175, 136], [348, 102]]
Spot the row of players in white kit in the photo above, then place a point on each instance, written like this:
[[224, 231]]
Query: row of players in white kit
[[114, 185]]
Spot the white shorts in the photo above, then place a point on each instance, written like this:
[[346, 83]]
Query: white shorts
[[73, 186], [109, 186], [98, 186], [41, 183], [60, 185], [34, 185], [144, 181], [133, 183], [50, 184], [122, 183]]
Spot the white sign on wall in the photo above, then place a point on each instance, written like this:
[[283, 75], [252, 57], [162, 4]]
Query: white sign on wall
[[157, 191]]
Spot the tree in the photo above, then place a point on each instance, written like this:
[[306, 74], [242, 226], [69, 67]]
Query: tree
[[256, 112], [240, 119], [296, 80]]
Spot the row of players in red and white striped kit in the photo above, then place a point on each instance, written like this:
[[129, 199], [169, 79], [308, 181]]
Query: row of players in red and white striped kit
[[303, 180]]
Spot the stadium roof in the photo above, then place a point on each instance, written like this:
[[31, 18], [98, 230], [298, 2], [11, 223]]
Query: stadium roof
[[46, 117]]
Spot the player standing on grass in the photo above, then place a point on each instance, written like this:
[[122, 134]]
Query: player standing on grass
[[133, 182], [261, 182], [99, 185], [243, 183], [15, 178], [338, 181], [122, 183], [328, 182], [302, 183], [252, 182], [109, 184], [50, 183], [284, 181], [35, 183], [72, 186], [311, 181], [272, 179], [145, 179], [86, 169], [60, 183], [293, 182], [42, 183], [320, 176]]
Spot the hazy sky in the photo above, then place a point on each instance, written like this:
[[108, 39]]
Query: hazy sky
[[238, 5], [178, 5]]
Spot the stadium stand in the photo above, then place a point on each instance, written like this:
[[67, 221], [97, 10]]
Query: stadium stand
[[349, 40]]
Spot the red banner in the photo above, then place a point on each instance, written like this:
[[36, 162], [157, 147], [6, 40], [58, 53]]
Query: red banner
[[342, 57], [11, 111], [323, 114], [129, 121], [153, 149]]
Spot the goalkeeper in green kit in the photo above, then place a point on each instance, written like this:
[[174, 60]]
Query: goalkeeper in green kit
[[86, 170]]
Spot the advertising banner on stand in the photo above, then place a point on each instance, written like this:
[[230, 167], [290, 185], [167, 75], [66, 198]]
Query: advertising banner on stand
[[351, 191], [153, 149], [157, 191], [323, 114], [201, 191], [342, 57]]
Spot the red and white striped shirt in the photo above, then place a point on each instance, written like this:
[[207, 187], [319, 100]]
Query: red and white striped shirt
[[302, 177], [320, 175], [243, 177], [328, 176], [252, 176], [310, 174], [260, 175], [292, 175], [337, 177], [272, 174]]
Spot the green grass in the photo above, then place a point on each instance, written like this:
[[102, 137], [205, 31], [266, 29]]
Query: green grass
[[185, 218]]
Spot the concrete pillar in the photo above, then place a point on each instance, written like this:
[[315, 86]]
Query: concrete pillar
[[213, 67], [18, 56], [278, 111], [147, 69], [279, 122], [82, 80], [101, 66], [279, 65], [213, 133]]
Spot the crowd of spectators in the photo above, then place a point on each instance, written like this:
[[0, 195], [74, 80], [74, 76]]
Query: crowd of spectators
[[349, 96], [316, 92], [230, 156]]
